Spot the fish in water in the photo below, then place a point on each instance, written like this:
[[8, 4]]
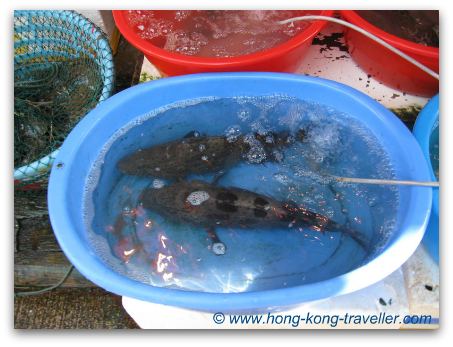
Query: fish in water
[[209, 206], [197, 154]]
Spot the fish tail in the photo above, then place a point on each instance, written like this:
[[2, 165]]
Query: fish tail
[[358, 237]]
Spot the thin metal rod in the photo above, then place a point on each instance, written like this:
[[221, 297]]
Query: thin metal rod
[[385, 182], [366, 33]]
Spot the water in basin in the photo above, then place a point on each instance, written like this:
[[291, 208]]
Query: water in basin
[[152, 247], [434, 150], [215, 33]]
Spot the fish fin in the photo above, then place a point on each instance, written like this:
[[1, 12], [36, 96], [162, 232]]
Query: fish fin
[[218, 176], [291, 204], [212, 234], [360, 239], [191, 134], [286, 137], [263, 137], [218, 247], [301, 135]]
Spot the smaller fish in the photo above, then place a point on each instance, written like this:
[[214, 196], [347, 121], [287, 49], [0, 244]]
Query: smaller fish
[[209, 206], [196, 154]]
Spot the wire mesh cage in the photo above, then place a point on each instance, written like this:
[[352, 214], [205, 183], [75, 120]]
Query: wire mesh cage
[[63, 67]]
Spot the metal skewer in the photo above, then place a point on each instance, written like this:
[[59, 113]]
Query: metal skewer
[[386, 182]]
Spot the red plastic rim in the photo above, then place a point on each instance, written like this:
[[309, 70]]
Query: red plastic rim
[[402, 44], [149, 49]]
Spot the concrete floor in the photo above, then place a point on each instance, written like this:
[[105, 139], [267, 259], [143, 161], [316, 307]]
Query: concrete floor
[[72, 308]]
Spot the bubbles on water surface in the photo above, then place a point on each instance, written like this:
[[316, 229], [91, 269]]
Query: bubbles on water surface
[[282, 178], [232, 133], [215, 33], [256, 154], [198, 197], [157, 183], [185, 43], [244, 115]]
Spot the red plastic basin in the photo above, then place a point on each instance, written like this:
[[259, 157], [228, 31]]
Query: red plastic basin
[[386, 66], [285, 57]]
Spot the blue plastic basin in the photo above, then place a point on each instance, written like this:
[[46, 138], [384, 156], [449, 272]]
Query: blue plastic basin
[[426, 124], [82, 147]]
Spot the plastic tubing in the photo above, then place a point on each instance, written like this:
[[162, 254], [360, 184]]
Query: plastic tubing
[[369, 35]]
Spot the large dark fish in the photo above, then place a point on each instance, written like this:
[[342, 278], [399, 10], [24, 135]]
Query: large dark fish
[[209, 206], [199, 154]]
